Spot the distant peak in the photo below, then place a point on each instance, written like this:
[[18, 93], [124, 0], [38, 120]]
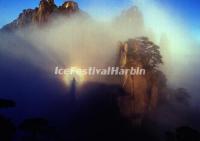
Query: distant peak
[[70, 5]]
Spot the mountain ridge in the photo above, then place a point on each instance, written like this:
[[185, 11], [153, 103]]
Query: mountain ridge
[[44, 13]]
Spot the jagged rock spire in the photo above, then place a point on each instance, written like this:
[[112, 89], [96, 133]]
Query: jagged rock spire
[[70, 6], [41, 14], [51, 2], [131, 21]]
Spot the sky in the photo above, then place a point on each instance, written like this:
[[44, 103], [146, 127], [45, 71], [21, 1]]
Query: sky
[[188, 11]]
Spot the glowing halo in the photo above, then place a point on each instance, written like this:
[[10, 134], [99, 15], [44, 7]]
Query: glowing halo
[[76, 73]]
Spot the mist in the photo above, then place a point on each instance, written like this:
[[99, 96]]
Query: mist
[[29, 56], [179, 49], [90, 42]]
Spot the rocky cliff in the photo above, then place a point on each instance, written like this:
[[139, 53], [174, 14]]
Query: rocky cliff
[[45, 12], [142, 90], [131, 22]]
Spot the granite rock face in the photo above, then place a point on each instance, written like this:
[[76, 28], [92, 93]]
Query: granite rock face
[[142, 90], [43, 13]]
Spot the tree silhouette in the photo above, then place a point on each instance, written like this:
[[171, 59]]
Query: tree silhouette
[[182, 96], [144, 51], [7, 103], [183, 133], [140, 52], [7, 128], [186, 133], [35, 126]]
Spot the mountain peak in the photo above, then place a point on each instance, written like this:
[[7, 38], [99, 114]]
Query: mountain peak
[[70, 5], [42, 14]]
